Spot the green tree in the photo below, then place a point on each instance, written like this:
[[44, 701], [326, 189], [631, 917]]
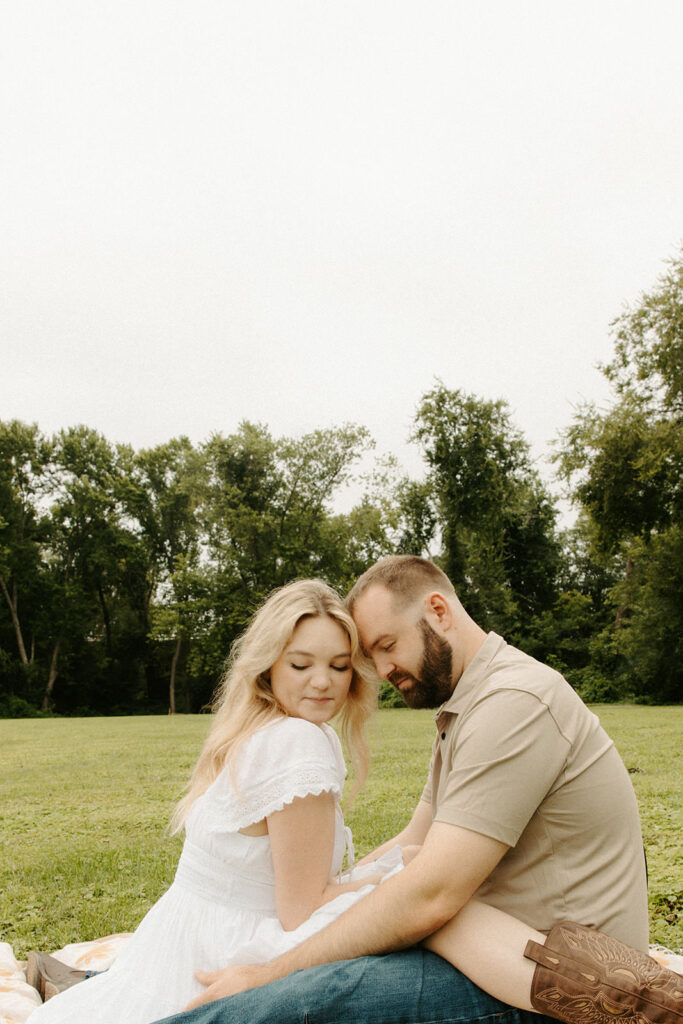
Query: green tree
[[625, 467], [23, 457], [651, 639], [24, 486], [96, 569], [394, 514], [418, 517], [163, 491], [185, 613], [496, 520], [267, 518]]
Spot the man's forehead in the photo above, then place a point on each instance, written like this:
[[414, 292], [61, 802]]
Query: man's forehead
[[376, 614], [375, 600]]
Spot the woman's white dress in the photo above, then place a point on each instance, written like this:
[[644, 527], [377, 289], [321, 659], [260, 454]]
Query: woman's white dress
[[220, 908]]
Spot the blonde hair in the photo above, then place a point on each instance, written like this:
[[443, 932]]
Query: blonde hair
[[245, 702]]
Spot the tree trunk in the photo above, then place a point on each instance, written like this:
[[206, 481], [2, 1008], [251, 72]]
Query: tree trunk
[[623, 608], [174, 665], [12, 602], [52, 675], [107, 623]]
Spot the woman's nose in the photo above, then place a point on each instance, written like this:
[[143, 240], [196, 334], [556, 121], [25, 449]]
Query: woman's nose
[[320, 679]]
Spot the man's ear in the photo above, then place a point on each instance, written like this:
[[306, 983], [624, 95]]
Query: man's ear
[[438, 611]]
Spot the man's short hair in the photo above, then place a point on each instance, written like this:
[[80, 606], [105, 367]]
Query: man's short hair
[[406, 577]]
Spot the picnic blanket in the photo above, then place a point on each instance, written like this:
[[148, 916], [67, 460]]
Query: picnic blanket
[[18, 1000]]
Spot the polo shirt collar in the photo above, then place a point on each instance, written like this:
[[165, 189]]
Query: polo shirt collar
[[469, 680]]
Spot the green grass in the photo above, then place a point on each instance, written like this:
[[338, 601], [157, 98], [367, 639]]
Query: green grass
[[649, 740], [84, 804]]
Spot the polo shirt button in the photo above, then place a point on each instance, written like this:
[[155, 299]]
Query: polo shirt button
[[443, 735]]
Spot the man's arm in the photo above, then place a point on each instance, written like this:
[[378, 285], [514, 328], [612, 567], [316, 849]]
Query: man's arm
[[414, 834], [450, 867]]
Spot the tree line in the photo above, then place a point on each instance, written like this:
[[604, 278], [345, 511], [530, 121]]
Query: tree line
[[125, 575]]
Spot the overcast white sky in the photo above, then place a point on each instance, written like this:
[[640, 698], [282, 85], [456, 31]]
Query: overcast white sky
[[302, 213]]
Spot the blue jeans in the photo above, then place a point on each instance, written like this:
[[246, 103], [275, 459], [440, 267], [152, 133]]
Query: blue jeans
[[413, 987]]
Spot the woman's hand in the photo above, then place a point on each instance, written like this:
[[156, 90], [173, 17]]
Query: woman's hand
[[408, 852], [372, 879], [335, 889], [230, 981]]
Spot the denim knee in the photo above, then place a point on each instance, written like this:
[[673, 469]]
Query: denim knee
[[412, 987]]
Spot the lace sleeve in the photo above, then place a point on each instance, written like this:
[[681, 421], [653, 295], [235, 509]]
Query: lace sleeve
[[289, 759]]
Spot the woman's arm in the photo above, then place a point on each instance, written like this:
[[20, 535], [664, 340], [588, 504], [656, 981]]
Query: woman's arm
[[302, 844]]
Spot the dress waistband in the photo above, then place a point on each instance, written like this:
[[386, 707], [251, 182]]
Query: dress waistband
[[215, 880]]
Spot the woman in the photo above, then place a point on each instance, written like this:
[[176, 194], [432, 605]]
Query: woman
[[264, 830]]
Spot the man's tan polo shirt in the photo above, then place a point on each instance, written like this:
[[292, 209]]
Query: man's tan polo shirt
[[520, 758]]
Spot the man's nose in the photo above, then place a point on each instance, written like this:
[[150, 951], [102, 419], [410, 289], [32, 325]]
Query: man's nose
[[384, 666]]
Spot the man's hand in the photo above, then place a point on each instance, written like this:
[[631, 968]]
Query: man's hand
[[230, 981]]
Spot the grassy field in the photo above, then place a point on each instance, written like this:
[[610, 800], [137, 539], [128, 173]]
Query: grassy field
[[84, 804]]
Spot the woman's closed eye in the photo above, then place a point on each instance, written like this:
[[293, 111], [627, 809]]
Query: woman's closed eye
[[337, 668]]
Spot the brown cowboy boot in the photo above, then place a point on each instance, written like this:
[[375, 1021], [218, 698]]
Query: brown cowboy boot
[[50, 976], [585, 977]]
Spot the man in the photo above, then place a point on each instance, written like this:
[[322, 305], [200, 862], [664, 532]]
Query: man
[[527, 805]]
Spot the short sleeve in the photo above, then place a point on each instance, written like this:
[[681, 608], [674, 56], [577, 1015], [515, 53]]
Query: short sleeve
[[509, 754], [427, 793], [290, 758]]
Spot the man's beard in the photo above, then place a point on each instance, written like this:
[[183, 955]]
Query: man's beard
[[435, 683]]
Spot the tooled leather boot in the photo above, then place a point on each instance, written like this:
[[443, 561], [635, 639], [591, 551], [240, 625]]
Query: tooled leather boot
[[585, 977]]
